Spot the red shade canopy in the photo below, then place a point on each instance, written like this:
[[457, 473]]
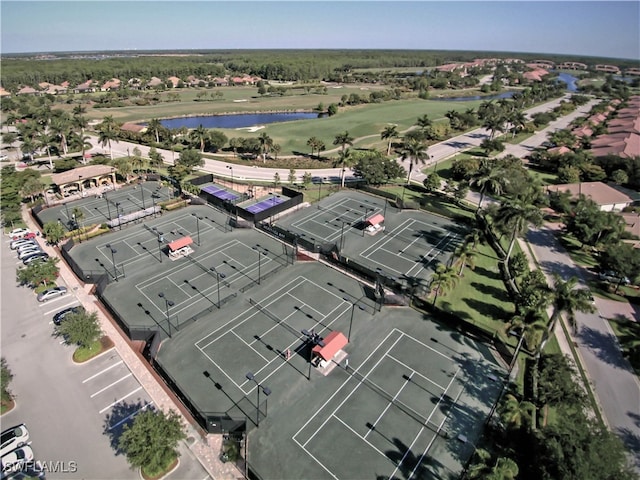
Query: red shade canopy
[[333, 343], [181, 242], [376, 219]]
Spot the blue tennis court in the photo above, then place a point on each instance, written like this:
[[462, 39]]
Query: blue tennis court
[[264, 204], [220, 193]]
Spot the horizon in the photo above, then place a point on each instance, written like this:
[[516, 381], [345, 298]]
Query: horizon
[[513, 27]]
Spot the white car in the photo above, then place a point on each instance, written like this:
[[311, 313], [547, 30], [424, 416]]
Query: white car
[[51, 293], [12, 438], [21, 242], [16, 459], [29, 251], [18, 233], [27, 246]]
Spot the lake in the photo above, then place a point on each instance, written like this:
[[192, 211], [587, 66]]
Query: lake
[[235, 120]]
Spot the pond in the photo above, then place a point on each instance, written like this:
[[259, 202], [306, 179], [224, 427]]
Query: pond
[[570, 80], [235, 120]]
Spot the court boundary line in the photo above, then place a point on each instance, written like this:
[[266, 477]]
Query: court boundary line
[[360, 383]]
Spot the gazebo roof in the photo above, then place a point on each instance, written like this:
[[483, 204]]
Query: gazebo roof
[[76, 174]]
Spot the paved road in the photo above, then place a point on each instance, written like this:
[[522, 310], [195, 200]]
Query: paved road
[[614, 382]]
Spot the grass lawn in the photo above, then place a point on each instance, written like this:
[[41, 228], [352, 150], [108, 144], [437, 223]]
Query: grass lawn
[[363, 122], [430, 202], [96, 348], [480, 296]]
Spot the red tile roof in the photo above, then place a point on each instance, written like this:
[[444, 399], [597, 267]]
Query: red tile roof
[[333, 343]]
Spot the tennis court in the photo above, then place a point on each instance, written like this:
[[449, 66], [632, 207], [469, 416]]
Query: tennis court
[[221, 192], [411, 245], [219, 266], [393, 408], [112, 204], [278, 320], [263, 203]]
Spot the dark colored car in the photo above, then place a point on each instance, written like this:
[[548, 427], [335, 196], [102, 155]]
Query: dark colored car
[[60, 316]]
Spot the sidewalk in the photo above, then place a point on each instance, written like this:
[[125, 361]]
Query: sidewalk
[[206, 448]]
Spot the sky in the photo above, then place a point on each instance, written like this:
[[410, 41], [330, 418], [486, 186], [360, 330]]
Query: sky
[[593, 28]]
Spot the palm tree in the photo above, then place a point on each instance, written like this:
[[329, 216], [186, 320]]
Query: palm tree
[[490, 177], [78, 215], [108, 132], [200, 136], [343, 139], [60, 127], [444, 278], [466, 255], [517, 413], [265, 143], [567, 299], [155, 126], [313, 143], [276, 148], [415, 151], [346, 159], [517, 215], [43, 142], [389, 133]]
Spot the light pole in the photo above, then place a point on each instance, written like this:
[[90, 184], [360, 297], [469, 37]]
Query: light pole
[[353, 307], [312, 339], [260, 252], [113, 260], [108, 206], [197, 226], [218, 277], [160, 240], [517, 350], [119, 215], [364, 220], [142, 195], [341, 233], [265, 390], [232, 182], [168, 304]]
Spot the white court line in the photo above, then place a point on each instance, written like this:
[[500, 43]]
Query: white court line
[[57, 309], [119, 400], [359, 384], [455, 404], [364, 439], [111, 385], [389, 404], [102, 371], [419, 374], [249, 345]]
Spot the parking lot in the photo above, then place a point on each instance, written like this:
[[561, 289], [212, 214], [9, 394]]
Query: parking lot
[[74, 413]]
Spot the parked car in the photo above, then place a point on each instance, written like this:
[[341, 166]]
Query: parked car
[[54, 292], [14, 460], [29, 251], [36, 257], [613, 277], [61, 315], [17, 233], [27, 246], [12, 438], [22, 241]]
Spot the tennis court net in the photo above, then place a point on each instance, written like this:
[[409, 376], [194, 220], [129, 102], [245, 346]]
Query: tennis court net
[[421, 419], [273, 317]]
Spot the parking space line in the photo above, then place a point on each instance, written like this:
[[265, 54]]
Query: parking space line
[[49, 302], [73, 302], [111, 385], [132, 415], [102, 371], [119, 400]]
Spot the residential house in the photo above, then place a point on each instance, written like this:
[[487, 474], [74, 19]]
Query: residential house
[[111, 85], [27, 91], [606, 197], [86, 87], [155, 82], [175, 81]]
